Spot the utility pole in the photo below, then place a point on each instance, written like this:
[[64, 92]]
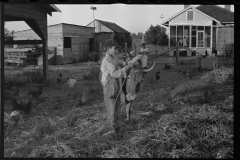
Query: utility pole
[[161, 16], [93, 8]]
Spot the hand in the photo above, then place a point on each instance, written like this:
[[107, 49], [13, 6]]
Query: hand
[[135, 63], [129, 66]]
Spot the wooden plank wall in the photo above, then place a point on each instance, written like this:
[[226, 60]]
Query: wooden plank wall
[[36, 12], [78, 43], [55, 38]]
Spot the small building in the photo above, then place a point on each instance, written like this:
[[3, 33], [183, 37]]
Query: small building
[[198, 27], [35, 15], [71, 41], [106, 30]]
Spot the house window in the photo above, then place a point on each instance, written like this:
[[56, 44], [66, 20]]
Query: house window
[[180, 34], [189, 15], [67, 42], [186, 33], [173, 35], [193, 38], [207, 36]]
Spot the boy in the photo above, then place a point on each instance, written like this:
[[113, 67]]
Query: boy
[[111, 82], [144, 51]]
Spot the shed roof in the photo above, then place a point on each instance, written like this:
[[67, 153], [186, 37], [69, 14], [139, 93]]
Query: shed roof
[[113, 26], [218, 13], [56, 25]]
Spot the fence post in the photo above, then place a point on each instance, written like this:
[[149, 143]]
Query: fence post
[[135, 49], [177, 53], [224, 47], [125, 48], [100, 49], [55, 52]]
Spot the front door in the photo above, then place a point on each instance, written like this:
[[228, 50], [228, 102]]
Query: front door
[[200, 39]]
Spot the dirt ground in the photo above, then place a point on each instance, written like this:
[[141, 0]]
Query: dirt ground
[[54, 103]]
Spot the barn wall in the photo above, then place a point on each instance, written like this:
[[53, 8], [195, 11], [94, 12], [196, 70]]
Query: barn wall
[[54, 37], [35, 12], [101, 37], [80, 39]]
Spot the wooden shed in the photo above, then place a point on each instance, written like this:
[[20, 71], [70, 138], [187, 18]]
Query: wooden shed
[[35, 15], [105, 30], [71, 41]]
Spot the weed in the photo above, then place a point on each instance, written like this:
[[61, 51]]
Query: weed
[[45, 127]]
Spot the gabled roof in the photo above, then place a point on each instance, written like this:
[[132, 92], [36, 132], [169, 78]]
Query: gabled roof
[[218, 13], [56, 25], [113, 26]]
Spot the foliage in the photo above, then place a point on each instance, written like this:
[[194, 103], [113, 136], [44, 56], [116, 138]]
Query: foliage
[[121, 38], [137, 36], [156, 35], [94, 56]]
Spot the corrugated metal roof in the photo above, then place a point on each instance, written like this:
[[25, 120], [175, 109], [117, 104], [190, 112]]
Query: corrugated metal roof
[[218, 13]]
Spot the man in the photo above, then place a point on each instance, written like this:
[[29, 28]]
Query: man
[[184, 42], [111, 81], [143, 52]]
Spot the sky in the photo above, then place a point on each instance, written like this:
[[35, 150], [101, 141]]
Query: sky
[[133, 18]]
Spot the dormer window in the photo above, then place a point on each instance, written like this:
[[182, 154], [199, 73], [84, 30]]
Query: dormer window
[[189, 15]]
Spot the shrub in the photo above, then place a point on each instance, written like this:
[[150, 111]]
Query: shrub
[[94, 56]]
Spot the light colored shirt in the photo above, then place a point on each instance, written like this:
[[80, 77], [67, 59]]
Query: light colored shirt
[[144, 50], [109, 68]]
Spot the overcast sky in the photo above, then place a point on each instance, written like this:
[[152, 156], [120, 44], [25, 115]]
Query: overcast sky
[[133, 18]]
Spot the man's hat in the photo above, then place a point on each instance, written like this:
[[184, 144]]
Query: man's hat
[[110, 43]]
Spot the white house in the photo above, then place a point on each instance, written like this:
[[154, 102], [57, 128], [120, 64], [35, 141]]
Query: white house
[[199, 26]]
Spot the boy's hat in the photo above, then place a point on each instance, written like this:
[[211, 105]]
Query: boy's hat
[[110, 43]]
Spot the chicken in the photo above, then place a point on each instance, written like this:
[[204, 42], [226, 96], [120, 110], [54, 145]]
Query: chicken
[[157, 75], [36, 94], [199, 68], [184, 72], [190, 76], [208, 96], [24, 107], [71, 82], [12, 119], [206, 54], [167, 66], [59, 80]]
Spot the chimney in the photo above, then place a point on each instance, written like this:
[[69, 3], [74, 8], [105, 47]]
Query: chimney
[[227, 7], [186, 6]]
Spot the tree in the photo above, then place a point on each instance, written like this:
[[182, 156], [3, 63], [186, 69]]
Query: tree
[[133, 35], [156, 35], [139, 35], [8, 33]]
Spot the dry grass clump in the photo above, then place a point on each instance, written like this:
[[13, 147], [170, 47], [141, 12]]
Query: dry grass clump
[[45, 126], [219, 76], [191, 132], [59, 150], [92, 72], [191, 86]]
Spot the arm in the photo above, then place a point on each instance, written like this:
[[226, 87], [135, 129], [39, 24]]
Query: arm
[[114, 72]]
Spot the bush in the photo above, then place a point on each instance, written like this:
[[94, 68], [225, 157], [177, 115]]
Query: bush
[[94, 56]]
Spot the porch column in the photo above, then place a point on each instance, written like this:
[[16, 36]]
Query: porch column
[[45, 61], [211, 36]]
